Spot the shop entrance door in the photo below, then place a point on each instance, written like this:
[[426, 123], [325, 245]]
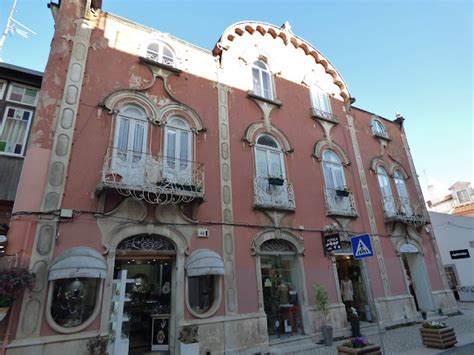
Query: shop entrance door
[[147, 302], [281, 290], [418, 281], [351, 283]]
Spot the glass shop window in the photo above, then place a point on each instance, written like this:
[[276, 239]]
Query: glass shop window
[[201, 291], [73, 301]]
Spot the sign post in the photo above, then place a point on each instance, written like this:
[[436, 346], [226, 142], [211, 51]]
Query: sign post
[[361, 249]]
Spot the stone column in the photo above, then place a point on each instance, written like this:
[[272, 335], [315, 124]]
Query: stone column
[[33, 304]]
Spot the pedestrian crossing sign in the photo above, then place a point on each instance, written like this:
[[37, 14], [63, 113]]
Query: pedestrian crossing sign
[[361, 246]]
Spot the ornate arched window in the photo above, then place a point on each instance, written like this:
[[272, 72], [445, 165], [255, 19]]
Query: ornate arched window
[[386, 191], [339, 200], [161, 53], [178, 151], [402, 191], [129, 147], [378, 129], [262, 80], [333, 171], [269, 158]]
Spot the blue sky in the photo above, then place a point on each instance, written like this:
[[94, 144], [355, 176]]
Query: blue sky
[[412, 57]]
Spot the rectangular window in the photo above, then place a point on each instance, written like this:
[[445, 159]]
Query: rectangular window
[[3, 85], [22, 94], [463, 196], [14, 126], [320, 100]]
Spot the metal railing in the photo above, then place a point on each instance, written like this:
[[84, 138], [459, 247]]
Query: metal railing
[[339, 202], [152, 178], [327, 116], [401, 210], [270, 195]]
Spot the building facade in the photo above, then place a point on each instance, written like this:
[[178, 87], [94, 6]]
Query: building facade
[[167, 186], [455, 238], [19, 91], [459, 202]]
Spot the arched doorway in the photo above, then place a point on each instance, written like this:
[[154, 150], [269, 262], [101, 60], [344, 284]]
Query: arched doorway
[[281, 285], [143, 294], [416, 277]]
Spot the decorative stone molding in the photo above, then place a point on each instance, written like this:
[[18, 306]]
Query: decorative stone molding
[[286, 35], [226, 200], [254, 129], [272, 234], [397, 166], [117, 99], [33, 304], [375, 162], [185, 111], [321, 145], [368, 205]]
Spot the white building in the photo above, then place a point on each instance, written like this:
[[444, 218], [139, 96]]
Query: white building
[[455, 238]]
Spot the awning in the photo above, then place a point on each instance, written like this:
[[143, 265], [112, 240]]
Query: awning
[[78, 262], [204, 262], [408, 248]]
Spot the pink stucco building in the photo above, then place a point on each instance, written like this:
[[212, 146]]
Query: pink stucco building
[[209, 181]]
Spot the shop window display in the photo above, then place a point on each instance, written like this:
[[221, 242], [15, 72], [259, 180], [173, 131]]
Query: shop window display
[[73, 301], [201, 290], [280, 283], [352, 287]]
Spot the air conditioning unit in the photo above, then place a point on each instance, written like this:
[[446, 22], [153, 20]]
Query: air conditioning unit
[[203, 233]]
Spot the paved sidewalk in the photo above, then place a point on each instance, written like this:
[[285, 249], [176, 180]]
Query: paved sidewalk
[[407, 340]]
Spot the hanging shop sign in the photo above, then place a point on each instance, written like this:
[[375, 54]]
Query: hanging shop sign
[[459, 254], [331, 243]]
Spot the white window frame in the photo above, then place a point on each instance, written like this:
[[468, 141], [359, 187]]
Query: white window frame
[[10, 89], [160, 55], [320, 99], [329, 166], [459, 192], [176, 174], [25, 140], [269, 150], [378, 128], [3, 86], [258, 82], [401, 185], [385, 187]]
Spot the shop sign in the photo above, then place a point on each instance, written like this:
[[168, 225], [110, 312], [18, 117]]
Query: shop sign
[[160, 330], [466, 293], [459, 254], [331, 242]]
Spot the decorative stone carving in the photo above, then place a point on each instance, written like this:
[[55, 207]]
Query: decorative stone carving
[[146, 243]]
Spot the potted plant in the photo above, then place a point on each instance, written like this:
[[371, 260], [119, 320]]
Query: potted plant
[[12, 282], [437, 335], [342, 192], [188, 337], [353, 317], [275, 180], [322, 305], [358, 345], [98, 345]]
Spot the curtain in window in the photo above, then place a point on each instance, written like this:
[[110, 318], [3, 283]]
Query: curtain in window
[[320, 99], [386, 190], [402, 193], [333, 171], [14, 131]]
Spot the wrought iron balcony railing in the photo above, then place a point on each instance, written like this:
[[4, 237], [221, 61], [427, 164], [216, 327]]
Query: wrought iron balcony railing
[[154, 179], [340, 202], [327, 116], [401, 210], [274, 193]]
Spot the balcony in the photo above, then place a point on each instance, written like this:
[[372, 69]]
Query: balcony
[[340, 202], [323, 115], [154, 179], [274, 193], [401, 210]]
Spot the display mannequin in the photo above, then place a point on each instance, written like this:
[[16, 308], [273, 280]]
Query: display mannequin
[[347, 292]]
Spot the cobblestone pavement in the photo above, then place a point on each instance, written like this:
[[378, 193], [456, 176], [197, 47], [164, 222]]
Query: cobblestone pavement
[[407, 340]]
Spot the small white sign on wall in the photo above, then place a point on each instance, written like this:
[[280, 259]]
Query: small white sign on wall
[[203, 233]]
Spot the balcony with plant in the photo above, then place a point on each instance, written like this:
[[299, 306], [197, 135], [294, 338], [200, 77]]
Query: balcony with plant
[[274, 193], [340, 202]]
